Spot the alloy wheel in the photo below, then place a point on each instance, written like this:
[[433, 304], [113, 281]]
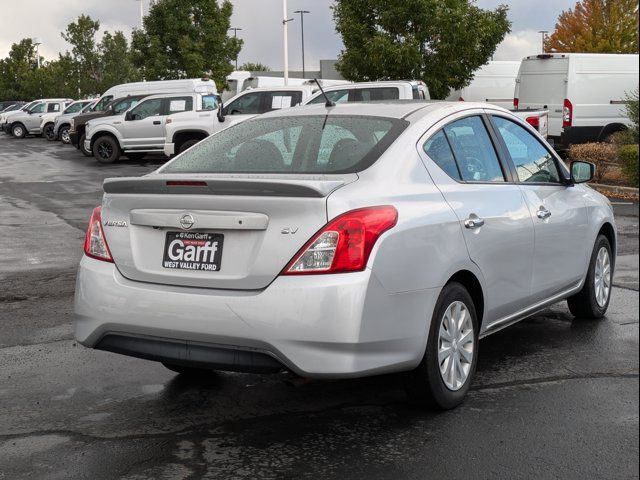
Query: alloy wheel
[[456, 343], [602, 276], [105, 150]]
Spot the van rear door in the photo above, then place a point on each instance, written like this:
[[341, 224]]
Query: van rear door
[[542, 84]]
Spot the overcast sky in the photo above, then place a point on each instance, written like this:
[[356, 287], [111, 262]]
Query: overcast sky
[[261, 24]]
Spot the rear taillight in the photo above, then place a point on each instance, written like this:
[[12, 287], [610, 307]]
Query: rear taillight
[[461, 99], [95, 243], [516, 103], [534, 122], [345, 243], [567, 113]]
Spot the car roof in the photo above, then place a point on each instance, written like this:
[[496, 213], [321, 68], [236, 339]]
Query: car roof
[[408, 109]]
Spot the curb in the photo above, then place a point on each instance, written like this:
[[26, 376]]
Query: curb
[[616, 191]]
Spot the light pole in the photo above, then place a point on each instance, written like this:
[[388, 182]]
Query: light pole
[[141, 14], [544, 37], [302, 13], [235, 35], [285, 25], [37, 42]]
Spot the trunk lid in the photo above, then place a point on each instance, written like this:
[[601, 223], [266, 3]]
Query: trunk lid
[[260, 221]]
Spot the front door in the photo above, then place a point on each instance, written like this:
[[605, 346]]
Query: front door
[[144, 129], [558, 212], [493, 214]]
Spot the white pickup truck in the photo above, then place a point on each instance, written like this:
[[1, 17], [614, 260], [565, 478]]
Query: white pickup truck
[[163, 124]]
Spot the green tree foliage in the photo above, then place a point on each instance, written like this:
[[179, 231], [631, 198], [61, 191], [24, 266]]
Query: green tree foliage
[[81, 35], [186, 39], [597, 26], [116, 61], [439, 41], [16, 69], [254, 67]]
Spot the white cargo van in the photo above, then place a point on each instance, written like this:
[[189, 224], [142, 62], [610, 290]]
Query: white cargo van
[[493, 83], [189, 85], [584, 93]]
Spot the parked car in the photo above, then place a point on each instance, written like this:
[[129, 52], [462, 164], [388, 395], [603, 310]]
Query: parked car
[[256, 101], [137, 91], [493, 83], [373, 91], [6, 116], [29, 122], [11, 107], [584, 93], [62, 123], [48, 120], [8, 103], [178, 119], [345, 242]]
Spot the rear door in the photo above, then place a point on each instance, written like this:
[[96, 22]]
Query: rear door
[[542, 84], [145, 128], [558, 211], [493, 214]]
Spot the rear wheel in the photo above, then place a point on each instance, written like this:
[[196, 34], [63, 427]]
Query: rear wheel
[[63, 133], [18, 130], [47, 132], [188, 371], [106, 150], [592, 301], [444, 376], [187, 145]]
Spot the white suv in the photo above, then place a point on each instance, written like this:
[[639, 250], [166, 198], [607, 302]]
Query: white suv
[[29, 122]]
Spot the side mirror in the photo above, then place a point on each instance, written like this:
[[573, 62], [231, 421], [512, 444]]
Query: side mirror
[[221, 117], [128, 117], [582, 172]]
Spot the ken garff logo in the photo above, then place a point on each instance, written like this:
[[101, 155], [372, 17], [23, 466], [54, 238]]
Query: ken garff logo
[[187, 221]]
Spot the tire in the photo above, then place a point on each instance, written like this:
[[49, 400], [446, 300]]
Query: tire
[[87, 153], [18, 130], [188, 371], [593, 300], [106, 150], [63, 134], [187, 145], [47, 132], [426, 385]]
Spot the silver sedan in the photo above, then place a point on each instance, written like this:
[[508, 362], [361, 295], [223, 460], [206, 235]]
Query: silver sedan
[[345, 241]]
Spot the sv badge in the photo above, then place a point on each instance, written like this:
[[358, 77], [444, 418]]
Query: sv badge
[[289, 231]]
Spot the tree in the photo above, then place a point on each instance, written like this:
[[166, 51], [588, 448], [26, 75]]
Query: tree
[[597, 26], [81, 34], [16, 69], [186, 39], [116, 62], [254, 67], [439, 41]]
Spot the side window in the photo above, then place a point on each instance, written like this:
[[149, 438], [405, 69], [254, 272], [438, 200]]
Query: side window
[[249, 104], [102, 104], [533, 162], [180, 104], [53, 107], [125, 105], [38, 108], [209, 102], [438, 149], [148, 108], [376, 94], [474, 152], [278, 100], [336, 96]]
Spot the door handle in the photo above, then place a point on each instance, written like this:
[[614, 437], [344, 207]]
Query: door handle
[[157, 122], [473, 222], [543, 213]]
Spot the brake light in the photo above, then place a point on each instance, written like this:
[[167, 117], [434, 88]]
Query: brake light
[[95, 243], [533, 121], [567, 113], [461, 99], [345, 243], [516, 103]]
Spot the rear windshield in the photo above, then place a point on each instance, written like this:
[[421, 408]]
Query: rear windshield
[[306, 144]]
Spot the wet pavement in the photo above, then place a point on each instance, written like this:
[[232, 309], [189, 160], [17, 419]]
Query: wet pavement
[[553, 397]]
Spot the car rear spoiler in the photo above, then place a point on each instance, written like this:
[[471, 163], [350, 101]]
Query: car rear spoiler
[[305, 187]]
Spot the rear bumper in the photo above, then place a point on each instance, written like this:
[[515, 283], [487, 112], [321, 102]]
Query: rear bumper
[[317, 326]]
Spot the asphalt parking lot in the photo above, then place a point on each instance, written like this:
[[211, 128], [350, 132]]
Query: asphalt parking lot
[[553, 397]]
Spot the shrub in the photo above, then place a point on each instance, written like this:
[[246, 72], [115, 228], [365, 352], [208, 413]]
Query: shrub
[[628, 158], [602, 155], [632, 107]]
